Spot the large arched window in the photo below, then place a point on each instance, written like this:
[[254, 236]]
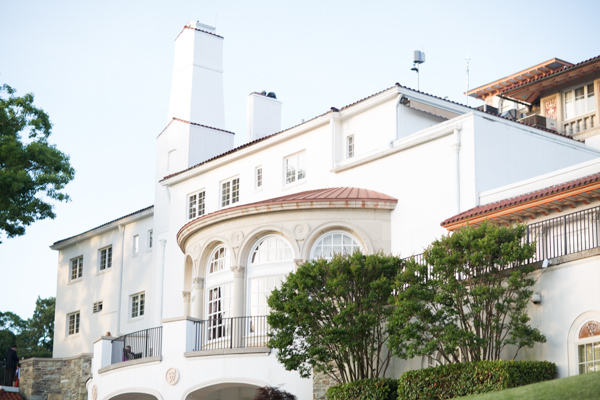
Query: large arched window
[[218, 293], [588, 348], [335, 242], [271, 258]]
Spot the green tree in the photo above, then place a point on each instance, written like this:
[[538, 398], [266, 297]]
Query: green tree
[[33, 337], [468, 301], [329, 316], [32, 171]]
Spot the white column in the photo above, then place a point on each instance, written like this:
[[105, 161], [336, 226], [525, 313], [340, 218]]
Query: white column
[[197, 286], [238, 291], [186, 303]]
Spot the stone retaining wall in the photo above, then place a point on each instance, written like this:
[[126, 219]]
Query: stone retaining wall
[[55, 378]]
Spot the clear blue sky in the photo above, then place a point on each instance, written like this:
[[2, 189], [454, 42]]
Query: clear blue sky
[[102, 71]]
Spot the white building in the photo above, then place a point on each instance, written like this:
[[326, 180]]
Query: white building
[[184, 283]]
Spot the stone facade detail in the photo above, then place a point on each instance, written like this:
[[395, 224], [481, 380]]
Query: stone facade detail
[[321, 382], [55, 378]]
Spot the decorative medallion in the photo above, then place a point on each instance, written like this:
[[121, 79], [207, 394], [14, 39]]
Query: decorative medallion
[[300, 231], [591, 328], [550, 108], [172, 376], [236, 239], [94, 392]]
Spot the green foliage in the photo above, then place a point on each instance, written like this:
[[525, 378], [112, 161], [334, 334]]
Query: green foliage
[[365, 389], [31, 170], [273, 393], [34, 337], [469, 302], [454, 380], [330, 316]]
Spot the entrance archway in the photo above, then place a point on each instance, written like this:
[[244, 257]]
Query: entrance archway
[[224, 391]]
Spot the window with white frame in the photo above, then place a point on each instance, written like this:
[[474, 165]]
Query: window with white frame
[[350, 146], [230, 192], [150, 239], [97, 307], [258, 174], [335, 242], [136, 244], [588, 348], [270, 248], [73, 323], [218, 260], [76, 268], [138, 302], [260, 289], [105, 258], [294, 168], [579, 101], [196, 204]]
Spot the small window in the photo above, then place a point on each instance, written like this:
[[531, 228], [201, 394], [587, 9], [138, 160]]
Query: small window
[[295, 169], [150, 239], [579, 101], [73, 323], [76, 268], [336, 242], [137, 305], [105, 258], [350, 146], [230, 192], [97, 306], [196, 205], [136, 244], [259, 177]]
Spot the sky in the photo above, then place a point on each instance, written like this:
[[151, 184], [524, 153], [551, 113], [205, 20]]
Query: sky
[[102, 71]]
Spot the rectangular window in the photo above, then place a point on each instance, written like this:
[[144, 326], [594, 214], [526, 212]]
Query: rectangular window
[[230, 192], [73, 323], [294, 168], [76, 268], [350, 146], [579, 101], [137, 305], [97, 306], [136, 244], [218, 308], [260, 289], [150, 239], [196, 205], [589, 357], [259, 177], [105, 258]]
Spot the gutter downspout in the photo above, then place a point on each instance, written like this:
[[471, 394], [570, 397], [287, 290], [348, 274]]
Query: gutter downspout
[[456, 148], [122, 231]]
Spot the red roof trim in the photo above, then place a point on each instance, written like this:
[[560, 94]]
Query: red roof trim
[[525, 198]]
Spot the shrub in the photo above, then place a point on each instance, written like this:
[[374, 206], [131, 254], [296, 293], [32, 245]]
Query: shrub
[[463, 379], [365, 389], [273, 393]]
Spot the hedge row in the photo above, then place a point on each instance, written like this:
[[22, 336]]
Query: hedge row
[[365, 389], [447, 381], [454, 380]]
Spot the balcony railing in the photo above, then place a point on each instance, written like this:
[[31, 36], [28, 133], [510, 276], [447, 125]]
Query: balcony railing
[[569, 234], [229, 333], [137, 345], [579, 124]]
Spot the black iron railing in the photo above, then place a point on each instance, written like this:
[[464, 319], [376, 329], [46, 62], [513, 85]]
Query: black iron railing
[[4, 374], [140, 344], [229, 333], [556, 237]]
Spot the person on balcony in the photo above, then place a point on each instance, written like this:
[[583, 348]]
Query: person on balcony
[[11, 364], [127, 354]]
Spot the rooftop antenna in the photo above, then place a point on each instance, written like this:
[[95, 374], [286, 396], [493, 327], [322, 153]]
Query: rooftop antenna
[[467, 95], [418, 59]]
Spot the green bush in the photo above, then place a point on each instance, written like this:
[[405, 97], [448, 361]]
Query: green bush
[[365, 389], [454, 380]]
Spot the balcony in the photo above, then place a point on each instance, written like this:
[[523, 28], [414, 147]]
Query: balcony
[[581, 124], [144, 344]]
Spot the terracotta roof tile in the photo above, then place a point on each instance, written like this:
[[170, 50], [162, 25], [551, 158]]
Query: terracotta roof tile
[[507, 203], [9, 395]]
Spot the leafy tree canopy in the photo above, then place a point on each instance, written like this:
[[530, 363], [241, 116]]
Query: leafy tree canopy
[[468, 301], [32, 171], [330, 316], [33, 337]]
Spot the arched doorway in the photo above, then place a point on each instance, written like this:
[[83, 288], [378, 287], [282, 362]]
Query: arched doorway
[[224, 391]]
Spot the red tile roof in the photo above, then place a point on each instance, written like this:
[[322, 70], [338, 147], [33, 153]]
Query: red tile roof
[[548, 193], [9, 395]]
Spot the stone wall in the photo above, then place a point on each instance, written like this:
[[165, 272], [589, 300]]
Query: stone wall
[[55, 378], [321, 382]]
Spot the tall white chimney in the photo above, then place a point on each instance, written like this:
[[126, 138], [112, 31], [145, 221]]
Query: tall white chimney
[[197, 86], [263, 115]]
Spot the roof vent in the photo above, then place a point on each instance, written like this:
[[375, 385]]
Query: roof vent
[[272, 95]]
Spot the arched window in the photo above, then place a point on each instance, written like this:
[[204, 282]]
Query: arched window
[[335, 242], [270, 260], [588, 348], [219, 260]]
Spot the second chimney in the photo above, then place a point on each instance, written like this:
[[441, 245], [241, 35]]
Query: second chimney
[[263, 115]]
